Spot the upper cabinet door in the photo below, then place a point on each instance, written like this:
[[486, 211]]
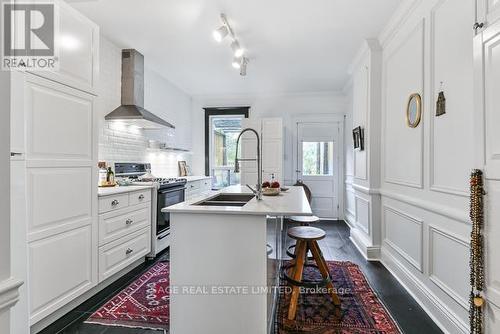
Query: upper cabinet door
[[59, 121], [78, 50], [488, 11]]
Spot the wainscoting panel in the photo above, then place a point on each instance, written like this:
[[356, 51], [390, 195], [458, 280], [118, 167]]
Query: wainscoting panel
[[363, 214], [404, 234], [451, 156], [404, 75], [448, 255]]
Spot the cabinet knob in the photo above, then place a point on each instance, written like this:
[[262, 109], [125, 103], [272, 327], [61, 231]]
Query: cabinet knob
[[115, 202], [141, 197], [129, 221], [128, 251]]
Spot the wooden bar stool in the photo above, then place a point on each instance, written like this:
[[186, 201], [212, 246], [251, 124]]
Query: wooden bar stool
[[302, 220], [307, 239]]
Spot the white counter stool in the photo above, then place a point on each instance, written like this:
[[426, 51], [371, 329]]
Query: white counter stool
[[307, 239]]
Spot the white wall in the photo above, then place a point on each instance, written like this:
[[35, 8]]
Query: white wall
[[122, 143], [284, 106], [424, 171]]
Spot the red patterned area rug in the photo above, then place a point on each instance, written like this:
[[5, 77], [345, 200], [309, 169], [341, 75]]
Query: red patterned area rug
[[362, 311], [143, 304]]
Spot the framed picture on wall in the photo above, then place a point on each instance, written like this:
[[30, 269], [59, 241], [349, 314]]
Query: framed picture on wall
[[182, 168], [358, 138]]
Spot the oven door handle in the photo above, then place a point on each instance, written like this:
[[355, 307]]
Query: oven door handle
[[170, 190]]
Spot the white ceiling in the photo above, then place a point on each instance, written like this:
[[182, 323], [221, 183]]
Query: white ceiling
[[293, 46]]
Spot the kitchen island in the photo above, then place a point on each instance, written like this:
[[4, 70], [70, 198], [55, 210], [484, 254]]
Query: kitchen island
[[225, 260]]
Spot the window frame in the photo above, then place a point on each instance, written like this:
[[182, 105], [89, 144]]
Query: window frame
[[219, 111]]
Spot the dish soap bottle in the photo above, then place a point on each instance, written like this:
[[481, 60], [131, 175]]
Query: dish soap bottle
[[103, 173], [110, 177]]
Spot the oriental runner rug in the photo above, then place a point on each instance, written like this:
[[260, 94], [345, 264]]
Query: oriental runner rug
[[361, 312], [142, 304]]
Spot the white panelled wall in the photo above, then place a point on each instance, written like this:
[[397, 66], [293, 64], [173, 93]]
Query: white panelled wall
[[407, 204], [123, 143]]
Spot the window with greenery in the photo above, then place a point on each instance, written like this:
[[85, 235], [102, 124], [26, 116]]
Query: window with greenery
[[317, 158]]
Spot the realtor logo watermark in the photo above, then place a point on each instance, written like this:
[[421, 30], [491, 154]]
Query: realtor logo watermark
[[29, 33]]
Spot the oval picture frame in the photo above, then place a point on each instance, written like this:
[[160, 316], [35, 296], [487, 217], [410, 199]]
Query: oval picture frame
[[414, 110]]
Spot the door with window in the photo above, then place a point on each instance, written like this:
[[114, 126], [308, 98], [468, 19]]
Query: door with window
[[318, 165]]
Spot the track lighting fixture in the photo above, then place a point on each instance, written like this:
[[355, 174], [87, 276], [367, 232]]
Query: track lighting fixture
[[239, 61]]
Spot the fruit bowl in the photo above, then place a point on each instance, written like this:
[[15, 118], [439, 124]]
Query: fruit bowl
[[270, 191]]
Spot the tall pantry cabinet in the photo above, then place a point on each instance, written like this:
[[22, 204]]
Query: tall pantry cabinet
[[54, 171]]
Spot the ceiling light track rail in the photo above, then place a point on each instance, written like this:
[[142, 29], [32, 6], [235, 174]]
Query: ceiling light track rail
[[239, 60]]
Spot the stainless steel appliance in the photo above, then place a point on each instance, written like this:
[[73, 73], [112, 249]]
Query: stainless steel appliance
[[168, 191]]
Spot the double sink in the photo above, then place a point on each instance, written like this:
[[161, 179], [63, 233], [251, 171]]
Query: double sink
[[227, 200]]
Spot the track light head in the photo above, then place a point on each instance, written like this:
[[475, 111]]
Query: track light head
[[220, 33], [236, 63], [237, 49]]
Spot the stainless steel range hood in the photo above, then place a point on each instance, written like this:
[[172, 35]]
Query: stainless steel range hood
[[132, 109]]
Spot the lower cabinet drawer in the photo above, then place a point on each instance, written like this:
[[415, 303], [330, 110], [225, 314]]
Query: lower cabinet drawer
[[138, 197], [120, 253], [206, 185], [116, 224], [112, 202]]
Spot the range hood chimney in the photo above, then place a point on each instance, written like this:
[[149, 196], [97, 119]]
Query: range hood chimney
[[132, 108]]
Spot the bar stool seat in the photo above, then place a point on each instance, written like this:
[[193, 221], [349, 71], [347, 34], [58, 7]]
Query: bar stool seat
[[304, 220], [307, 240]]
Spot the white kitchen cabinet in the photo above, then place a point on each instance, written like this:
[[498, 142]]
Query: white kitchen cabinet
[[60, 269], [124, 230], [272, 149], [195, 188], [271, 133], [78, 46], [53, 127]]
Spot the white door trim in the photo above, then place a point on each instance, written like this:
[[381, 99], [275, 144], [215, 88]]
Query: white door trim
[[322, 118]]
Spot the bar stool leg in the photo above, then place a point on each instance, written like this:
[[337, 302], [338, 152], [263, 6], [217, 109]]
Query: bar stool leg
[[323, 268], [297, 276]]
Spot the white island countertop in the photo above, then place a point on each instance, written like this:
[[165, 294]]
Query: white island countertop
[[292, 202]]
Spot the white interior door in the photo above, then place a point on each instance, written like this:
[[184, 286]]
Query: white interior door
[[487, 81], [318, 165]]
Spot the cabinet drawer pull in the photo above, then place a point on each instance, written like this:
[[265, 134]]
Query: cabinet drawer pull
[[141, 197], [128, 251], [129, 221], [115, 202]]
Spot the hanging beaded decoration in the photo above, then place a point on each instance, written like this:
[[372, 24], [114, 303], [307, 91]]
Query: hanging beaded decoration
[[476, 261]]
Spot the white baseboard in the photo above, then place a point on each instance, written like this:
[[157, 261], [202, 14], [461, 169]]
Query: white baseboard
[[349, 219], [369, 252], [430, 303]]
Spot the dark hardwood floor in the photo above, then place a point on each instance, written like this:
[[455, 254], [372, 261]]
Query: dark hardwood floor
[[336, 246]]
